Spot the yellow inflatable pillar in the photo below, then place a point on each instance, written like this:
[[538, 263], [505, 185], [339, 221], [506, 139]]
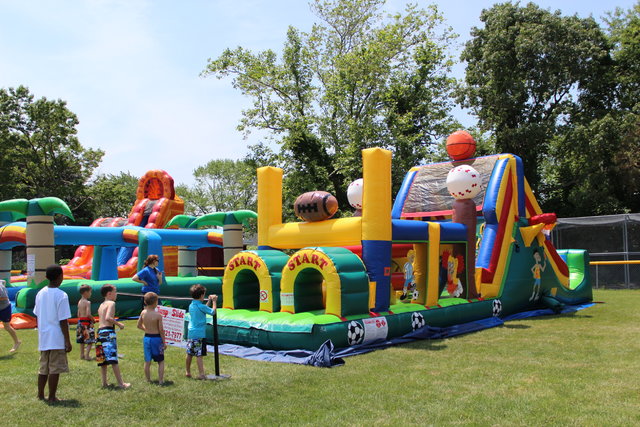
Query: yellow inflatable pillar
[[376, 222], [269, 202], [420, 271], [433, 262]]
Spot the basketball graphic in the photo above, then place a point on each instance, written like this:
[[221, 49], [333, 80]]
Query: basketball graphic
[[461, 145]]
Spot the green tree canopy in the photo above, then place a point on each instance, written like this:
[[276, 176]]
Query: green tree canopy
[[113, 195], [358, 79], [221, 186], [530, 72], [41, 155]]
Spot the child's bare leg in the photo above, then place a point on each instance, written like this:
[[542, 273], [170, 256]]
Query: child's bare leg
[[161, 372], [53, 386], [103, 373], [200, 361], [116, 372], [147, 370], [88, 353], [42, 382], [14, 336], [188, 366], [82, 352]]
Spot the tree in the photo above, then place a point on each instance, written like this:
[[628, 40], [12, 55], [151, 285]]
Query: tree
[[358, 79], [530, 72], [113, 195], [624, 32], [221, 186], [41, 155], [597, 157]]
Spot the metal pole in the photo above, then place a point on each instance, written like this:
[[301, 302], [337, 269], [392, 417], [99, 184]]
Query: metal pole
[[627, 279], [216, 355], [215, 343]]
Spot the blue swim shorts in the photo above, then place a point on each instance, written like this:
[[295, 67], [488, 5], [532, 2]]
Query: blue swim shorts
[[153, 348]]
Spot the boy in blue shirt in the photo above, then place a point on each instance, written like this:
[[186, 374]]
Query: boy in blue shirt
[[196, 338]]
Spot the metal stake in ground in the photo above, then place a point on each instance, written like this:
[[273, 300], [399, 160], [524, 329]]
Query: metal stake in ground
[[216, 356]]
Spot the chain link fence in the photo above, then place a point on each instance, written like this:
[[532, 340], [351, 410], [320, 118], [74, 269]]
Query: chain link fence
[[606, 238]]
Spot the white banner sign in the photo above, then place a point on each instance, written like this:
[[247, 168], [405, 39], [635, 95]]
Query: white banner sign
[[375, 328], [172, 322]]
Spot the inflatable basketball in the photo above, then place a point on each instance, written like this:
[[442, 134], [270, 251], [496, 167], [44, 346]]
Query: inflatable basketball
[[461, 145]]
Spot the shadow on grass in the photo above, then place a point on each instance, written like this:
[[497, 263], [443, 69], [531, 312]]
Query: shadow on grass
[[516, 326], [7, 356], [575, 314], [165, 384], [66, 403], [429, 345], [114, 387]]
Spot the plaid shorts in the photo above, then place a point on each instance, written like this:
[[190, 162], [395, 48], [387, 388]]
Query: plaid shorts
[[197, 347]]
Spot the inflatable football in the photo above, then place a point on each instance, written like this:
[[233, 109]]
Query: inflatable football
[[315, 206]]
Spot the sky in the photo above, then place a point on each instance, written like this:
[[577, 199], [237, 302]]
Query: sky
[[130, 69]]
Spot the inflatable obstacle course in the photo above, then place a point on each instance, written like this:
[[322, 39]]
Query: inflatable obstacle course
[[352, 301]]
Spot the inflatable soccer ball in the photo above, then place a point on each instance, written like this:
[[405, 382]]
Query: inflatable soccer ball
[[355, 333], [417, 321], [497, 307]]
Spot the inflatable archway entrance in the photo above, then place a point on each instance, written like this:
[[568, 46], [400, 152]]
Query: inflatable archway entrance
[[344, 274], [252, 279]]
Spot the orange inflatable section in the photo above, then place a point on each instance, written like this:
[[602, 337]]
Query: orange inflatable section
[[24, 321]]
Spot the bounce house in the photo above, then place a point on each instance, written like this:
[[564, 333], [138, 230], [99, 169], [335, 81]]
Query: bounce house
[[344, 283], [113, 249], [156, 203]]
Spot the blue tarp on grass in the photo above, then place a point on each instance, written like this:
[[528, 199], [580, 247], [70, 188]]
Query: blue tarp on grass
[[326, 356]]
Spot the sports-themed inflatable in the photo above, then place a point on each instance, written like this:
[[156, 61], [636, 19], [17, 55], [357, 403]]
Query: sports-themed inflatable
[[463, 241]]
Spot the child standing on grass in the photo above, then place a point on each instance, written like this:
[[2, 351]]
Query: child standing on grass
[[196, 342], [5, 316], [150, 322], [106, 345], [52, 311], [85, 335]]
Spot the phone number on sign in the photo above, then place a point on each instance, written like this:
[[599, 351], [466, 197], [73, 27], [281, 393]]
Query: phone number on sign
[[173, 335]]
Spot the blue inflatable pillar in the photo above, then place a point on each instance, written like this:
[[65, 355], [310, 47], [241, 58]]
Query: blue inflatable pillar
[[105, 264]]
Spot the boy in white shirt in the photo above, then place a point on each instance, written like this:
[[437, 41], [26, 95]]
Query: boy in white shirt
[[52, 310]]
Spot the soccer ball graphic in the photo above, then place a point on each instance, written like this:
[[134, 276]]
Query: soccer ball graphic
[[497, 307], [417, 321], [355, 333]]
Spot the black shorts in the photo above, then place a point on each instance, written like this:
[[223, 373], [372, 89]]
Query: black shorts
[[5, 314]]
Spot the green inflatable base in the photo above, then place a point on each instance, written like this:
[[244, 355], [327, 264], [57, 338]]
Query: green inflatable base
[[126, 306], [308, 330]]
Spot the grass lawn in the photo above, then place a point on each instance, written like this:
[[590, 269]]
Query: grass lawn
[[580, 369]]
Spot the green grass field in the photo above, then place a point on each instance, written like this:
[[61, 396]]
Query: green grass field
[[581, 369]]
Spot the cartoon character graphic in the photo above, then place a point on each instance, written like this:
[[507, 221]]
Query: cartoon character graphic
[[537, 270], [409, 286], [454, 266]]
